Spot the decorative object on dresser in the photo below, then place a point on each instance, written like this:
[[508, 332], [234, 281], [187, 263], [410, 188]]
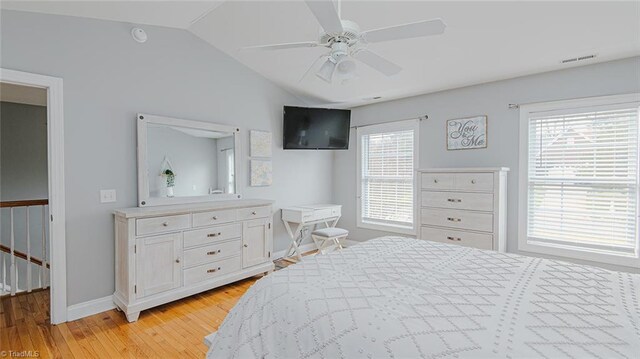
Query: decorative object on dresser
[[467, 133], [171, 252], [466, 206], [307, 216]]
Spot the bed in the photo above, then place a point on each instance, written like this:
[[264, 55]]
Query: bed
[[395, 297]]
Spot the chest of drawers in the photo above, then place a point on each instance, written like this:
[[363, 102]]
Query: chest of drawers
[[465, 206], [170, 252]]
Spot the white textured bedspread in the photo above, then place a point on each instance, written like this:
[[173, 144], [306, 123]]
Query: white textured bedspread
[[395, 297]]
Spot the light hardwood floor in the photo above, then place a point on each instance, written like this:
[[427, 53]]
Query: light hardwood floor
[[174, 330]]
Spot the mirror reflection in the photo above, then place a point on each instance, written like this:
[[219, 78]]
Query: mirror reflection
[[184, 162]]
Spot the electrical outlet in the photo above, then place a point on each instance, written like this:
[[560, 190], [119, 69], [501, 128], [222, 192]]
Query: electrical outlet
[[107, 195]]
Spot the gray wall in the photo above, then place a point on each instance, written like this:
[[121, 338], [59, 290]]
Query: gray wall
[[23, 152], [108, 77], [491, 99]]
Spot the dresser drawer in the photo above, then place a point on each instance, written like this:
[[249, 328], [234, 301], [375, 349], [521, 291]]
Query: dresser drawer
[[255, 212], [214, 217], [212, 234], [474, 181], [457, 200], [467, 239], [153, 225], [457, 219], [212, 270], [212, 253], [437, 181]]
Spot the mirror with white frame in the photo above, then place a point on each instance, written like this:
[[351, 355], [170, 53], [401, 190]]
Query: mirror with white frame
[[182, 161]]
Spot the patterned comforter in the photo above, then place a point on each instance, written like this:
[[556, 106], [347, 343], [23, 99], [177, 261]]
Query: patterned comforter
[[395, 297]]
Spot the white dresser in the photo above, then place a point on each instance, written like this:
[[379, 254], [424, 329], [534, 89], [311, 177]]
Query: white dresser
[[169, 252], [465, 206]]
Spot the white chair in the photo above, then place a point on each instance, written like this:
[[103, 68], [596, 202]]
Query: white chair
[[328, 238]]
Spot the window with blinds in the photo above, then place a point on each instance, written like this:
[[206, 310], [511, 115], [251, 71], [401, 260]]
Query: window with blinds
[[582, 179], [387, 161]]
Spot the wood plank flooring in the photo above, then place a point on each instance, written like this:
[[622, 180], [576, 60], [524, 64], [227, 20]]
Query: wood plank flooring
[[174, 330]]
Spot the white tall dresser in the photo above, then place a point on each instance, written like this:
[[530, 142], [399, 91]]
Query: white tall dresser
[[465, 206]]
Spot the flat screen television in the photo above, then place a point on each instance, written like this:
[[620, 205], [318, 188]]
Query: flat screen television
[[316, 128]]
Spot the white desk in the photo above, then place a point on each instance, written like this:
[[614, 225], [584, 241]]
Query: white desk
[[303, 216]]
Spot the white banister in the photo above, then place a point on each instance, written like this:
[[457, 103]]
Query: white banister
[[43, 268], [12, 269], [28, 250], [4, 273]]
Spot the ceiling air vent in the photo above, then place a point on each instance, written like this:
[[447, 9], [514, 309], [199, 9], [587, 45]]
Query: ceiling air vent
[[576, 59]]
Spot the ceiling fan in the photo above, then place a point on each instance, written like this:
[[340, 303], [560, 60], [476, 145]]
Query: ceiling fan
[[347, 42]]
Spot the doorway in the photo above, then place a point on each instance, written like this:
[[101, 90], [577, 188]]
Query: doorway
[[32, 233]]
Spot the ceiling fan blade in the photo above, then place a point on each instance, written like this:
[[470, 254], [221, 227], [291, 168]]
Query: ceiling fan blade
[[377, 62], [327, 15], [406, 31], [290, 45]]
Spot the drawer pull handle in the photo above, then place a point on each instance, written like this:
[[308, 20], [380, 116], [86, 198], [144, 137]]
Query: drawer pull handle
[[453, 219], [435, 181], [177, 260], [246, 245], [213, 252], [165, 224], [453, 239], [473, 181], [215, 218], [253, 213], [213, 270], [457, 200], [213, 234]]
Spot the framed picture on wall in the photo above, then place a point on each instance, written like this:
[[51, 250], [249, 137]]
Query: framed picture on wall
[[260, 143], [467, 133], [261, 173]]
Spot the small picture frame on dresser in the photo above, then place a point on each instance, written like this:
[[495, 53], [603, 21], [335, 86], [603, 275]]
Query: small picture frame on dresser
[[467, 133]]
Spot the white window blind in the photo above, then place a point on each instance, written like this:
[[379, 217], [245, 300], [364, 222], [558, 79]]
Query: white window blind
[[583, 179], [387, 177]]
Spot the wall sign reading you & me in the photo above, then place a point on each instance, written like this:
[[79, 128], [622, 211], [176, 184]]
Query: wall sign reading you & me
[[467, 133]]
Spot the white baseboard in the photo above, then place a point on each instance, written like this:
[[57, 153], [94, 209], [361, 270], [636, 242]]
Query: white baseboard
[[85, 309]]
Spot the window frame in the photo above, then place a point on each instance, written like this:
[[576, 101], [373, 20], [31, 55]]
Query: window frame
[[395, 126], [590, 103]]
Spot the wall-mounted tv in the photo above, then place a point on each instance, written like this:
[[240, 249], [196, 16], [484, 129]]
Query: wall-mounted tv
[[316, 128]]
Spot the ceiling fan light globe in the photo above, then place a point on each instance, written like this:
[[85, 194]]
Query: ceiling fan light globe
[[326, 71], [346, 66]]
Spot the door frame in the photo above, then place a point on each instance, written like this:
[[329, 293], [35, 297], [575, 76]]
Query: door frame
[[55, 156]]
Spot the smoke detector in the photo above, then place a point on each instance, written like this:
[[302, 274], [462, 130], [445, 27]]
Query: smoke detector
[[139, 35]]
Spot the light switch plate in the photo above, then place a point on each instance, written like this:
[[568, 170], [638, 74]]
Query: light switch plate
[[107, 195]]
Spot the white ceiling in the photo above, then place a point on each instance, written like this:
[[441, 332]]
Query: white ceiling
[[178, 14], [484, 41]]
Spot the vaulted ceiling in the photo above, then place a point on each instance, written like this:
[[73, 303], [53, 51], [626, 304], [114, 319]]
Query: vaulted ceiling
[[483, 41]]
